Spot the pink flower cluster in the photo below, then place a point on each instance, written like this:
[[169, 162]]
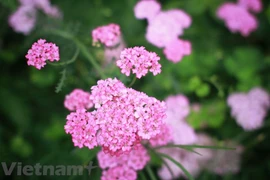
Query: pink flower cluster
[[124, 166], [78, 99], [249, 109], [40, 52], [237, 17], [139, 60], [109, 35], [23, 20], [123, 117], [164, 27]]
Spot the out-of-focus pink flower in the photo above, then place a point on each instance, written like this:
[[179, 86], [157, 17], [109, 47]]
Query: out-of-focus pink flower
[[109, 35], [252, 5], [111, 54], [191, 161], [178, 105], [23, 20], [40, 52], [163, 29], [44, 5], [78, 99], [226, 162], [180, 16], [249, 109], [139, 60], [237, 18], [177, 49], [147, 9]]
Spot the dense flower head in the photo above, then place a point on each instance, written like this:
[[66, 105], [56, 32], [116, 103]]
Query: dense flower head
[[82, 127], [125, 163], [147, 9], [23, 20], [124, 116], [109, 35], [249, 109], [177, 49], [40, 52], [135, 159], [226, 162], [139, 61], [78, 99], [163, 138], [237, 18], [252, 5]]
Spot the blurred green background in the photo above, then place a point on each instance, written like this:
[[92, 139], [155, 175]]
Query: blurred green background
[[32, 113]]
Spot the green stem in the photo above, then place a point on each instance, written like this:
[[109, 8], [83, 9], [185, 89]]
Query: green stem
[[67, 62], [89, 56], [178, 164], [82, 48], [133, 81], [142, 175], [150, 172]]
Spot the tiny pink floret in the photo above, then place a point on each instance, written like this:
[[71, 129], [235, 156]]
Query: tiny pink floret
[[78, 99]]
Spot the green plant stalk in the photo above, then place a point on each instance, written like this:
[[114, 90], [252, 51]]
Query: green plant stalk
[[82, 48], [178, 164], [150, 172]]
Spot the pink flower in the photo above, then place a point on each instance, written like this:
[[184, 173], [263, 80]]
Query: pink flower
[[82, 127], [249, 109], [146, 9], [163, 29], [139, 60], [194, 163], [78, 99], [237, 18], [119, 173], [178, 105], [111, 54], [163, 138], [175, 50], [226, 162], [40, 52], [252, 5], [23, 20], [125, 163], [44, 5], [123, 118], [180, 16], [108, 35]]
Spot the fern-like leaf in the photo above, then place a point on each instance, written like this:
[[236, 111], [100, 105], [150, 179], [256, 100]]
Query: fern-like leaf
[[62, 80]]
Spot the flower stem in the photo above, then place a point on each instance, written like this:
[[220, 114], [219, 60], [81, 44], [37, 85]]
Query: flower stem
[[82, 48], [150, 172], [133, 81]]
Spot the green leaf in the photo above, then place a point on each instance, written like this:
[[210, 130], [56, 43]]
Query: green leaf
[[150, 172], [178, 164], [203, 90]]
